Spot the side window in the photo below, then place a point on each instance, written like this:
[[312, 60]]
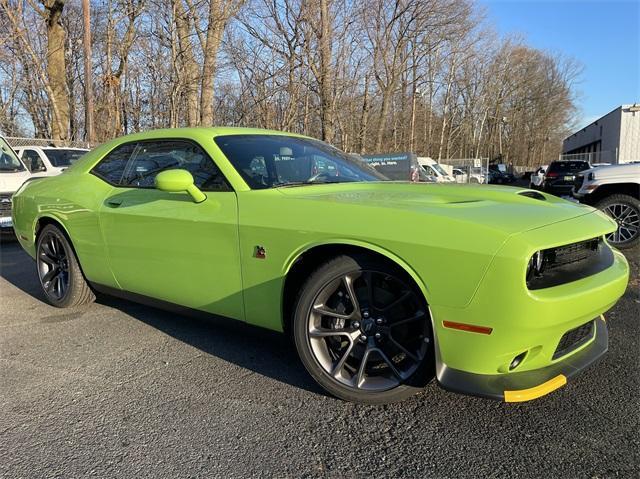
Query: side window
[[33, 161], [155, 156], [111, 167]]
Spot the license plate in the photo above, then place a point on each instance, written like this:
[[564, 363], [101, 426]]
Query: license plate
[[6, 222], [568, 178]]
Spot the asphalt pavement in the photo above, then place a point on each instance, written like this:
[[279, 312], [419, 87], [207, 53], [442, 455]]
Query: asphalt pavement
[[117, 389]]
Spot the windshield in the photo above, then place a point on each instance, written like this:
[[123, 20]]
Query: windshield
[[62, 156], [439, 169], [268, 161], [8, 160]]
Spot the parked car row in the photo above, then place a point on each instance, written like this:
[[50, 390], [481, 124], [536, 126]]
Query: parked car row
[[26, 162]]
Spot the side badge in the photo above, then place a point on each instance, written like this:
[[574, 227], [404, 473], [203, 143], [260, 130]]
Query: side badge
[[260, 252]]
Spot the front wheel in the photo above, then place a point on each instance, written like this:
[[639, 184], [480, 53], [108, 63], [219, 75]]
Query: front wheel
[[625, 210], [58, 270], [363, 331]]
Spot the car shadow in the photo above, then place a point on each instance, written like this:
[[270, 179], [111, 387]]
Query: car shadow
[[264, 352]]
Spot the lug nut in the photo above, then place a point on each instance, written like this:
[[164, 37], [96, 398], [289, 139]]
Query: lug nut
[[365, 314], [378, 335], [363, 338], [356, 324], [379, 321]]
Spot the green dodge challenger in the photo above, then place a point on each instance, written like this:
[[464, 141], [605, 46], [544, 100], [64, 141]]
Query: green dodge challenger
[[495, 291]]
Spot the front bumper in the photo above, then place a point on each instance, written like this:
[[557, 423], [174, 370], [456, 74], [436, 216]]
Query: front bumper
[[518, 321], [526, 385], [6, 223]]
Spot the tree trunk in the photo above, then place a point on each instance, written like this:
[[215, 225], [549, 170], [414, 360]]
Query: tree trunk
[[326, 75], [57, 71], [215, 29], [90, 133], [188, 78]]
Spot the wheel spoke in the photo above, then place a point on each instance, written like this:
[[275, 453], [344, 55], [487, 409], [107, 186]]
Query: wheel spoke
[[340, 364], [47, 259], [319, 308], [56, 286], [417, 317], [404, 350], [51, 274], [368, 278], [390, 364], [54, 246], [324, 333], [46, 248], [406, 295], [348, 284], [63, 284], [361, 369]]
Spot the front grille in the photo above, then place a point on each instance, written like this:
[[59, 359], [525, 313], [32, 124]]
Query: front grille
[[571, 262], [5, 205], [571, 253], [573, 339]]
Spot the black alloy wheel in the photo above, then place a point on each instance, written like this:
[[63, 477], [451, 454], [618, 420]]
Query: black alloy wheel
[[625, 210], [363, 331], [60, 275]]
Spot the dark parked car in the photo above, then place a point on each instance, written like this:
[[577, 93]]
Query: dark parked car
[[559, 178], [498, 174]]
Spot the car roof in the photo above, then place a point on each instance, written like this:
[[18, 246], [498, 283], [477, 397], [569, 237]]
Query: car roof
[[24, 147], [212, 131]]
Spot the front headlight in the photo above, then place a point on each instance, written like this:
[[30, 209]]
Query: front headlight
[[591, 176], [536, 265]]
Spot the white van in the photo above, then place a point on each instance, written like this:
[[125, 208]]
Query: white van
[[433, 169], [13, 173]]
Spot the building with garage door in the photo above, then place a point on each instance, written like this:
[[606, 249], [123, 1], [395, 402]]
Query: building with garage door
[[613, 138]]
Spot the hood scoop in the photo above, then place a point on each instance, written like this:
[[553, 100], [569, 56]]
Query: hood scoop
[[533, 194]]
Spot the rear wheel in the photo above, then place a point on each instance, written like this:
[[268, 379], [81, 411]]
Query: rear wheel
[[363, 331], [625, 210], [58, 270]]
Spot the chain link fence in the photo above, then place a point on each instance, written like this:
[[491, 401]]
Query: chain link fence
[[467, 170], [17, 142]]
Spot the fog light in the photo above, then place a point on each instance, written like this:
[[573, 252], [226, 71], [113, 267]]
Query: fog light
[[517, 361]]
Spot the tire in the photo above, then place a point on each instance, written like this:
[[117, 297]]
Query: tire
[[625, 210], [376, 350], [59, 272]]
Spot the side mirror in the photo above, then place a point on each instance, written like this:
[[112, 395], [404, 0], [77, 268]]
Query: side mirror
[[174, 181]]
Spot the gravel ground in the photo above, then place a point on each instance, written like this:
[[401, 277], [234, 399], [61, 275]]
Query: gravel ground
[[123, 390]]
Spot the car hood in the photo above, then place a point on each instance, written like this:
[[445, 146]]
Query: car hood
[[630, 171], [510, 210], [11, 181]]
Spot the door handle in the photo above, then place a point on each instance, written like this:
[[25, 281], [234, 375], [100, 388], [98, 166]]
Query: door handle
[[114, 203]]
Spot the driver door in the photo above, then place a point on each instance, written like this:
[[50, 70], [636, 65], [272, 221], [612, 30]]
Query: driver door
[[164, 245]]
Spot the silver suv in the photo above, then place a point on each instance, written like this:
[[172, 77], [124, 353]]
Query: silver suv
[[615, 190]]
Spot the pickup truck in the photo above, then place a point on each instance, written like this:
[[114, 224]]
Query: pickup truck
[[615, 190]]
